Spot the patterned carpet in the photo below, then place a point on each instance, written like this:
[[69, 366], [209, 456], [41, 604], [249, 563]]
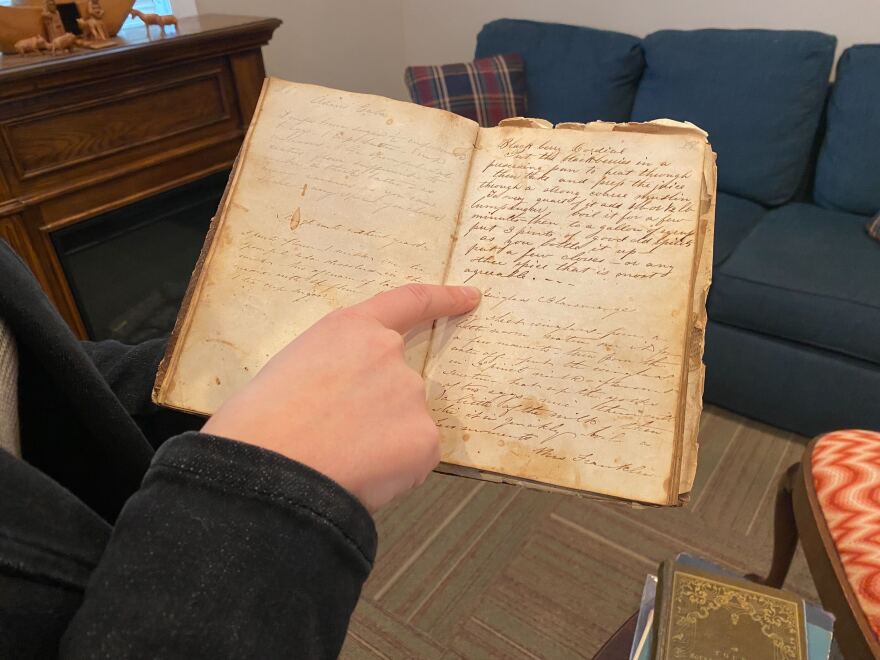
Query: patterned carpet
[[469, 569]]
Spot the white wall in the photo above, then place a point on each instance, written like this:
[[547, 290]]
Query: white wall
[[347, 44], [453, 24], [364, 45], [181, 8]]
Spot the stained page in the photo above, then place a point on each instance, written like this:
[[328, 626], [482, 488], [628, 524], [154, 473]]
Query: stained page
[[696, 368], [573, 370], [336, 196]]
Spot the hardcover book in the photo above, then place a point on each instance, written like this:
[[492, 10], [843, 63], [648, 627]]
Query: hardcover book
[[581, 369], [703, 614]]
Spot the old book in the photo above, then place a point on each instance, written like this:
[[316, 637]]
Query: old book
[[582, 367], [707, 614]]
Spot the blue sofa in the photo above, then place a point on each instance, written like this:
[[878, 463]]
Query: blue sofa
[[794, 331]]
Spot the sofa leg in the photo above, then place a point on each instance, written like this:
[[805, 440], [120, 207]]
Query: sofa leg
[[785, 532]]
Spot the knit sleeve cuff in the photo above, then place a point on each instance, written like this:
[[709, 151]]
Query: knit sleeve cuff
[[244, 470]]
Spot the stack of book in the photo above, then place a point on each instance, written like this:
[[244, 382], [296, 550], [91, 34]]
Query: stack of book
[[696, 609]]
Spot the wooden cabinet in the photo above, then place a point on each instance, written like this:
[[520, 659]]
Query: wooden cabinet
[[12, 231], [90, 132]]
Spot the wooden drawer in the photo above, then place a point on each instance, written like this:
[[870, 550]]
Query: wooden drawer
[[67, 137]]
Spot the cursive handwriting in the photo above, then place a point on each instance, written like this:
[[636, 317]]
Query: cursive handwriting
[[582, 244], [360, 196]]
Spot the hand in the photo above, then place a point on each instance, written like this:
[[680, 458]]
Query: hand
[[341, 399]]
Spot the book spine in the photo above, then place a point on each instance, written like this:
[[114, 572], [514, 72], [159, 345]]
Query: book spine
[[662, 611]]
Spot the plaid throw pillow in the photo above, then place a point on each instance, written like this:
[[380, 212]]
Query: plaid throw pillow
[[874, 227], [485, 90]]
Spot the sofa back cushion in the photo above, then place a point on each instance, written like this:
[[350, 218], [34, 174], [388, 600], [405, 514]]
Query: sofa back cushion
[[759, 94], [848, 171], [572, 73]]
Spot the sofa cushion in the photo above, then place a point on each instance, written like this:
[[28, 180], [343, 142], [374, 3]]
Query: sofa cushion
[[793, 386], [759, 94], [848, 170], [808, 275], [486, 90], [572, 73], [734, 219]]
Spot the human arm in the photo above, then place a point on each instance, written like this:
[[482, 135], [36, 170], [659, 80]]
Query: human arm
[[130, 371], [257, 546]]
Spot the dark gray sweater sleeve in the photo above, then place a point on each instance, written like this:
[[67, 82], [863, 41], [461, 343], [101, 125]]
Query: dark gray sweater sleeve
[[227, 550], [130, 371]]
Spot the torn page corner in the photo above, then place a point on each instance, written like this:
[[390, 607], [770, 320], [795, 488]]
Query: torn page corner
[[524, 122], [679, 125], [593, 126]]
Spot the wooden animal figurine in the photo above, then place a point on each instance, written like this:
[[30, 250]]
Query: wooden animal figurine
[[84, 28], [30, 45], [92, 28], [64, 43], [155, 19]]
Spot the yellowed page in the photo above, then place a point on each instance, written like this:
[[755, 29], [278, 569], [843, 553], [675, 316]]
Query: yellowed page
[[336, 196], [696, 370], [572, 370]]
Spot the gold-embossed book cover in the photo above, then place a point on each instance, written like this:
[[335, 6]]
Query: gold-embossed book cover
[[708, 616]]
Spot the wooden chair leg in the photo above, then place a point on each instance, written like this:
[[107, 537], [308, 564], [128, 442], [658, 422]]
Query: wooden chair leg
[[785, 532]]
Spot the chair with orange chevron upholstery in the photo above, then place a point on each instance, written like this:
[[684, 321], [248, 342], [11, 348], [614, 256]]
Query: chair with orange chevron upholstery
[[831, 499]]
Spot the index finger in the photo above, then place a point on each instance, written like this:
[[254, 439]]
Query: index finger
[[405, 307]]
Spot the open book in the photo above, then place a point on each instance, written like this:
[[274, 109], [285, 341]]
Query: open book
[[592, 244]]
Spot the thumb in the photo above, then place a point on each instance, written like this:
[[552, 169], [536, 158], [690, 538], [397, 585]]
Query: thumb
[[405, 307]]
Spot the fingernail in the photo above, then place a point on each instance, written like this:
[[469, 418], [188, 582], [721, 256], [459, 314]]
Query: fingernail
[[472, 293]]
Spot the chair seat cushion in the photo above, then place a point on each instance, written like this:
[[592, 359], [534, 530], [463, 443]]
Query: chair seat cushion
[[808, 275], [846, 477], [572, 73], [734, 219]]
